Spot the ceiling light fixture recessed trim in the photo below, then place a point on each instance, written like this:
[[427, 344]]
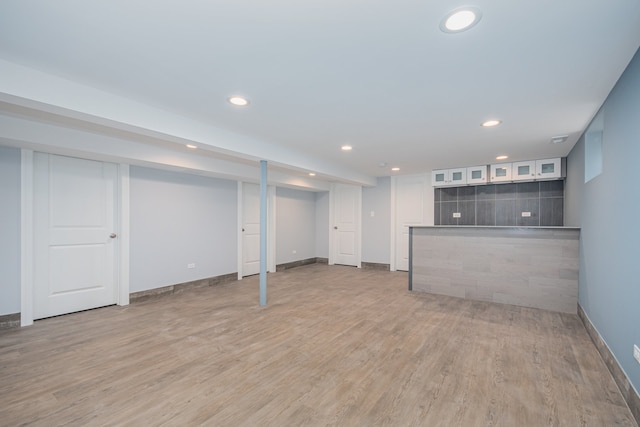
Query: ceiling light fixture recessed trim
[[503, 157], [193, 147], [312, 174], [559, 139], [490, 123], [396, 169], [238, 101], [460, 19], [346, 148]]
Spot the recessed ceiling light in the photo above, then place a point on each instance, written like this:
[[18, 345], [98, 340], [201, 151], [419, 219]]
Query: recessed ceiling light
[[346, 148], [395, 169], [491, 123], [238, 101], [193, 147], [502, 157], [312, 174], [460, 19], [559, 139]]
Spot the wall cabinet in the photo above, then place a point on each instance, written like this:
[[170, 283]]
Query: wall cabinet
[[501, 172], [522, 171], [444, 177], [549, 169], [536, 169], [477, 174], [530, 170]]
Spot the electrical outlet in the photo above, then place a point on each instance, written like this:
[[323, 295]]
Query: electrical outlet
[[192, 265], [636, 353]]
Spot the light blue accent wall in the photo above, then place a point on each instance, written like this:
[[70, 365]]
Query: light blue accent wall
[[295, 225], [376, 230], [9, 230], [179, 219], [607, 208]]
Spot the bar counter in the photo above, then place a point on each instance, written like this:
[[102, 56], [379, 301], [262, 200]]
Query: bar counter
[[525, 266]]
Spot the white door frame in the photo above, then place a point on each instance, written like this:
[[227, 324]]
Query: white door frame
[[26, 237], [271, 228]]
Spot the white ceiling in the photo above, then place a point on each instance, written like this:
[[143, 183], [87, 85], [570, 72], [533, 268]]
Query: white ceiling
[[378, 75]]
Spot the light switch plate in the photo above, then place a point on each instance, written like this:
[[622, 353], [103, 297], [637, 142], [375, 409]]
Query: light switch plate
[[456, 215], [526, 214]]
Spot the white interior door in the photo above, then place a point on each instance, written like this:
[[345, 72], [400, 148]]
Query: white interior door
[[346, 224], [75, 237], [411, 206], [250, 229]]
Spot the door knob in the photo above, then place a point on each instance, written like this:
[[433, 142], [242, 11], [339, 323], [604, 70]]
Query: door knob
[[335, 227], [113, 235]]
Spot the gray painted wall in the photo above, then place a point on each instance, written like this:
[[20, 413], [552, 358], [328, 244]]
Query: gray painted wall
[[322, 224], [607, 209], [573, 185], [376, 230], [9, 230], [178, 219], [295, 225]]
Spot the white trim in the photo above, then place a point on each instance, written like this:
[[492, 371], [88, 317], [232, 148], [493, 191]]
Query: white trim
[[123, 259], [392, 249], [239, 228], [26, 238]]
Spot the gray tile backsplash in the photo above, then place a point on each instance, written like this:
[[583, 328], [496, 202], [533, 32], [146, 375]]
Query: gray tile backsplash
[[505, 212], [485, 212], [501, 204]]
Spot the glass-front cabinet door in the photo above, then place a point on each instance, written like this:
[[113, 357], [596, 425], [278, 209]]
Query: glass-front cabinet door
[[501, 172], [548, 168], [522, 171], [440, 177], [477, 174], [458, 176]]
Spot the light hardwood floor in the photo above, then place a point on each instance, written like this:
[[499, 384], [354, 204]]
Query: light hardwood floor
[[335, 346]]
